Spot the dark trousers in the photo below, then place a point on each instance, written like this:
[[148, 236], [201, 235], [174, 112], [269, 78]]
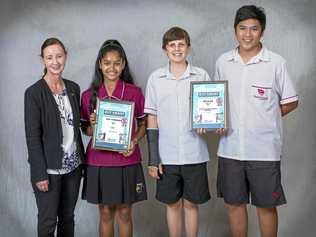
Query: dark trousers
[[58, 204]]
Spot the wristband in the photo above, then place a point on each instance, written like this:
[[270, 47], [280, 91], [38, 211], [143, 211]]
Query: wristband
[[153, 148]]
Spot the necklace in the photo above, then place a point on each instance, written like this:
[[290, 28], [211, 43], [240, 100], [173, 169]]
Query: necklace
[[55, 86]]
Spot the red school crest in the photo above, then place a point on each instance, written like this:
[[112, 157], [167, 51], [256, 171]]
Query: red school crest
[[260, 91]]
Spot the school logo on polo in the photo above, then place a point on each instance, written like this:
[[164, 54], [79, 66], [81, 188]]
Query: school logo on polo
[[260, 92]]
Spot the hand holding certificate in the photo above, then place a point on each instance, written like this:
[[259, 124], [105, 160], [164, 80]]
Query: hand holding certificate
[[208, 104], [113, 128]]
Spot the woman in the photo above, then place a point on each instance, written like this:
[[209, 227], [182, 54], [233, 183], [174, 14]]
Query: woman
[[55, 149], [114, 180]]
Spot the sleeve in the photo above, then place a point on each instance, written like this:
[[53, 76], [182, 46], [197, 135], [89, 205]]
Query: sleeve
[[77, 93], [284, 85], [206, 77], [139, 104], [150, 98], [85, 111], [77, 104], [33, 134], [84, 108], [216, 76]]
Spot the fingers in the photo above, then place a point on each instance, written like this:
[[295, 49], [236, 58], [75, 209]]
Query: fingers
[[130, 150], [160, 169], [126, 153], [221, 131], [153, 172], [42, 186], [201, 131], [92, 118]]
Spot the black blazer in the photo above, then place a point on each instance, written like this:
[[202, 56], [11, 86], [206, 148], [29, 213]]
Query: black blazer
[[43, 127]]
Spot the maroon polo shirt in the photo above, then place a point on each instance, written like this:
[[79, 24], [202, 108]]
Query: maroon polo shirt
[[122, 91]]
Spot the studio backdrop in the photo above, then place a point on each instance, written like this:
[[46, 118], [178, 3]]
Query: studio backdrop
[[139, 25]]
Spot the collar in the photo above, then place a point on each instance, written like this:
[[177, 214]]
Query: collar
[[190, 70], [263, 55], [118, 92]]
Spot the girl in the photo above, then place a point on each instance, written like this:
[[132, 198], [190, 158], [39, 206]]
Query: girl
[[113, 180]]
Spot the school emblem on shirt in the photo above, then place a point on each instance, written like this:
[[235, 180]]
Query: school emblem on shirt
[[261, 93]]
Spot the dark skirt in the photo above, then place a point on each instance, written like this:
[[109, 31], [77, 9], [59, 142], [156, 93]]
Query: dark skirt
[[114, 185]]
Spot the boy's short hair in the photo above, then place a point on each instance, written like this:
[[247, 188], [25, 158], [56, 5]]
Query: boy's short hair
[[251, 12], [175, 33]]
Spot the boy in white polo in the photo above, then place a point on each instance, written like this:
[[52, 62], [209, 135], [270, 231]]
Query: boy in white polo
[[179, 164], [260, 93]]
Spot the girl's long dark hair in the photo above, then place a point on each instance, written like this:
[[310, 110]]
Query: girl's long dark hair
[[97, 80]]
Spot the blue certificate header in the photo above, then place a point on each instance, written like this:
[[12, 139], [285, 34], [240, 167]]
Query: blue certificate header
[[114, 113], [208, 94]]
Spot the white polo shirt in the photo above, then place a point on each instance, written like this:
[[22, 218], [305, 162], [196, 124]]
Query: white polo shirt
[[169, 100], [255, 92]]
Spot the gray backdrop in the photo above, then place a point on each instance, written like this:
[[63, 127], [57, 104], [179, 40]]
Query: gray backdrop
[[139, 25]]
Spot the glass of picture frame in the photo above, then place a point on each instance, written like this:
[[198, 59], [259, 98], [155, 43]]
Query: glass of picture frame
[[208, 104], [113, 128]]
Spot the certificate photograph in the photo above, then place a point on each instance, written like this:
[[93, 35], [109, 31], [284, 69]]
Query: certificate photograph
[[114, 125], [208, 104]]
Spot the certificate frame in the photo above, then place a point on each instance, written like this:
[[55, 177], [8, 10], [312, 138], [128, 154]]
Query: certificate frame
[[208, 104], [114, 122]]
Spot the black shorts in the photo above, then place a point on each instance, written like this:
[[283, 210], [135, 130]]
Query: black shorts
[[183, 181], [114, 185], [238, 181]]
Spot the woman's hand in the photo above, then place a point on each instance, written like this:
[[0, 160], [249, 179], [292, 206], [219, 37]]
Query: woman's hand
[[42, 185]]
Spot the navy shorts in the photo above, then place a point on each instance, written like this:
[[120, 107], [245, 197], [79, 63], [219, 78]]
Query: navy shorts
[[238, 182], [189, 182]]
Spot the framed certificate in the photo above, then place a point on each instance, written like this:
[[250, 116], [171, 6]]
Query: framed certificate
[[113, 129], [208, 104]]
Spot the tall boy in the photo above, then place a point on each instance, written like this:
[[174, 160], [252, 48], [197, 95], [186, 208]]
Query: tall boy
[[260, 93], [179, 164]]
